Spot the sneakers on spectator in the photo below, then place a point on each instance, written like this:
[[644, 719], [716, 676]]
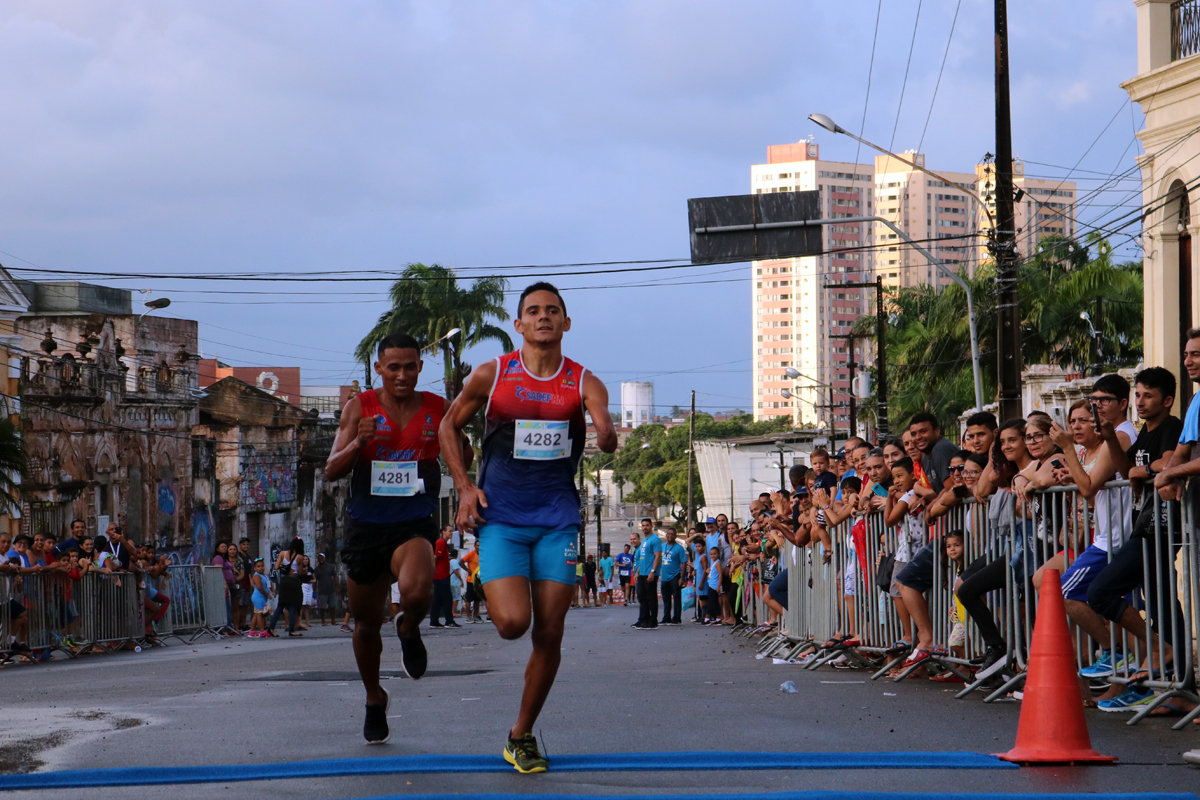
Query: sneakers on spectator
[[414, 659], [1192, 757], [1105, 665], [346, 628], [453, 624], [375, 728], [1132, 699], [994, 660]]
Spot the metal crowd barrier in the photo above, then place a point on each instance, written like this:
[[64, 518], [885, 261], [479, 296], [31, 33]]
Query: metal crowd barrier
[[216, 611], [6, 629], [103, 613], [840, 594]]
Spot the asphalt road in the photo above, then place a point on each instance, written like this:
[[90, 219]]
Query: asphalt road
[[252, 701]]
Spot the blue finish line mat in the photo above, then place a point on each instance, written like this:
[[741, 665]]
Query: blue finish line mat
[[398, 765], [810, 795]]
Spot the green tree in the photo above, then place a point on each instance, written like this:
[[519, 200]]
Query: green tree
[[654, 458], [929, 347], [427, 303]]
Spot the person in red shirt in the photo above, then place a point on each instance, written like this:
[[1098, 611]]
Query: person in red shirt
[[443, 603]]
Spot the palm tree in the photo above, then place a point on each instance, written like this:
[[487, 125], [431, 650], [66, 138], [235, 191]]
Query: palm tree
[[13, 462], [428, 303], [928, 345]]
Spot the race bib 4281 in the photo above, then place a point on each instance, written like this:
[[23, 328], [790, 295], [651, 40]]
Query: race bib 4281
[[394, 478]]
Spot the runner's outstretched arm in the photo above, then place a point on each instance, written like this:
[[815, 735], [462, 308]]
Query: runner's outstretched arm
[[353, 433], [595, 400], [474, 396]]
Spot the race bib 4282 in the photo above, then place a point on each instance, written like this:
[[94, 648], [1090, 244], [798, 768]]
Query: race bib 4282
[[541, 440]]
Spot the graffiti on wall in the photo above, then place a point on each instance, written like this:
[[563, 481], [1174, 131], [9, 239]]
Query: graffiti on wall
[[269, 477], [165, 529]]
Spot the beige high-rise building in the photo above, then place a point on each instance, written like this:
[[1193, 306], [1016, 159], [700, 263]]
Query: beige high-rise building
[[798, 321], [796, 318], [932, 212], [1042, 206]]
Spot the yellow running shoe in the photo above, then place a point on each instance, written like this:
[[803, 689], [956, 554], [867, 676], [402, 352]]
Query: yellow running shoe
[[523, 754]]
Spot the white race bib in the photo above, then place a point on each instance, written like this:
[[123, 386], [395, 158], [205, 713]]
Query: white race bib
[[394, 478], [541, 440]]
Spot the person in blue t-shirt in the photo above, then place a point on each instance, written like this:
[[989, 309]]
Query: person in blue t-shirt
[[673, 556], [649, 558], [624, 563]]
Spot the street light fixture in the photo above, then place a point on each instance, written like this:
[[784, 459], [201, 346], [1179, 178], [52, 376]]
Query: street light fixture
[[829, 125], [447, 335], [155, 305]]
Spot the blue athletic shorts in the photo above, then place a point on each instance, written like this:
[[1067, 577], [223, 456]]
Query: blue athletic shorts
[[1081, 573], [779, 588], [537, 554]]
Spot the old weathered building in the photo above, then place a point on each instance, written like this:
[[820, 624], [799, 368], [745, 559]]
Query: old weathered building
[[269, 460], [109, 399]]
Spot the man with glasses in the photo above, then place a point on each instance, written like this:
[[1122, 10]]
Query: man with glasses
[[1110, 396]]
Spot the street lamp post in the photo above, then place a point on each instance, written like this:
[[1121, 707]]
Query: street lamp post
[[829, 125], [792, 373]]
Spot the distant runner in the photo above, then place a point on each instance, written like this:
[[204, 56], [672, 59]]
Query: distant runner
[[388, 442], [525, 506]]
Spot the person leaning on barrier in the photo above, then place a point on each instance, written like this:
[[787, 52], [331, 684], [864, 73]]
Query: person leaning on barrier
[[18, 617], [1107, 597], [989, 571]]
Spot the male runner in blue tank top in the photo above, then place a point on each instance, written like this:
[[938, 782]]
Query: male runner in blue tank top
[[388, 441], [524, 503]]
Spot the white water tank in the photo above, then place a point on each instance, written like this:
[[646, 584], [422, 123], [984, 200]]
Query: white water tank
[[637, 403]]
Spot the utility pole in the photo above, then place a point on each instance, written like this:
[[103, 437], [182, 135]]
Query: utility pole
[[1003, 239], [599, 508], [881, 384], [850, 339], [691, 456], [582, 513], [881, 414]]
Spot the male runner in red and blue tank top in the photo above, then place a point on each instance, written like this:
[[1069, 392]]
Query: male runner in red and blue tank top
[[524, 503], [388, 443]]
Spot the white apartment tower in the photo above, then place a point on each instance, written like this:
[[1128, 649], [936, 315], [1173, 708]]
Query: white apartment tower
[[796, 319]]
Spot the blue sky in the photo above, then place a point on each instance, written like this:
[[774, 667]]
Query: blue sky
[[226, 137]]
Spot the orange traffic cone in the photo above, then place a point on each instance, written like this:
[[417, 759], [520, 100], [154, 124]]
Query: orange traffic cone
[[1052, 727]]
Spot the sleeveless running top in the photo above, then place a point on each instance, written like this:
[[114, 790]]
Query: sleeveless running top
[[418, 442], [528, 468]]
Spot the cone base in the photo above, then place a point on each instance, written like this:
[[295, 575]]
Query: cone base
[[1032, 755]]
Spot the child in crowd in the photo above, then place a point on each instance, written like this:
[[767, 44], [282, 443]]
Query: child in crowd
[[953, 557], [700, 570], [260, 598], [716, 572], [904, 510]]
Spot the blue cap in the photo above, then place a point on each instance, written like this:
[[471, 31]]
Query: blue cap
[[713, 520], [801, 490], [840, 454]]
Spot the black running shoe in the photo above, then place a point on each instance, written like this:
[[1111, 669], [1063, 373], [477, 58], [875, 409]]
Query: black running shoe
[[453, 624], [995, 659], [375, 728], [414, 660], [436, 625]]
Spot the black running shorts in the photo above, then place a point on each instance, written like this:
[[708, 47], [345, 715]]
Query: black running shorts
[[368, 551]]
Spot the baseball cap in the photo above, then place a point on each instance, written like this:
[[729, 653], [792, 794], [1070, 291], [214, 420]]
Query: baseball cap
[[713, 520], [840, 454], [801, 490]]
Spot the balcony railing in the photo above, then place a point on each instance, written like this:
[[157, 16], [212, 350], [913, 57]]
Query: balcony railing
[[1185, 28]]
